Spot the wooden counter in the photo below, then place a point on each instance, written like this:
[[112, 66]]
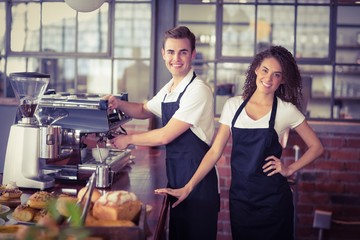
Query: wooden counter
[[142, 177], [9, 101]]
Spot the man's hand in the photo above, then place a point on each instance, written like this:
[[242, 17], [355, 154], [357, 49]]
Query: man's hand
[[120, 142], [113, 102]]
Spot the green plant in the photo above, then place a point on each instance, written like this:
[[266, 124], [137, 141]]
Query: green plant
[[51, 229]]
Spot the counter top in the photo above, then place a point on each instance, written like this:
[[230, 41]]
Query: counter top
[[335, 127], [142, 177], [9, 101]]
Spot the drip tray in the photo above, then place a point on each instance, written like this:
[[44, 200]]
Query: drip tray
[[117, 160]]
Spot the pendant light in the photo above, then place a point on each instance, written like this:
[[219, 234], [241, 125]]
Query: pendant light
[[84, 5]]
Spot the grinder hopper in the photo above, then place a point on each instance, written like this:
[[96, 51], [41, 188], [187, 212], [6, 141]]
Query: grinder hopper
[[28, 87], [22, 153]]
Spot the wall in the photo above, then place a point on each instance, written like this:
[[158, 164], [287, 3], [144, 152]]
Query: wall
[[7, 116]]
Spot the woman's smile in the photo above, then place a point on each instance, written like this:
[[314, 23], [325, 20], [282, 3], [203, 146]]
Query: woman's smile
[[268, 85]]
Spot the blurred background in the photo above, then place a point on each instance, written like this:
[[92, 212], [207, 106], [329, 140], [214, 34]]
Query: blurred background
[[117, 47]]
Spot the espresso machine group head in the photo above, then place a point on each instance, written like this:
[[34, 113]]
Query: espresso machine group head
[[22, 153]]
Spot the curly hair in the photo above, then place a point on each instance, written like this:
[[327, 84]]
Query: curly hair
[[291, 90]]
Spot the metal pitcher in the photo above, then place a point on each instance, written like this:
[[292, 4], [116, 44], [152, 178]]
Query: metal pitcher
[[50, 142], [104, 176]]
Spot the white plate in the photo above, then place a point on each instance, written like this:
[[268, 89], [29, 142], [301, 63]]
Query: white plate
[[2, 222], [4, 209], [14, 221]]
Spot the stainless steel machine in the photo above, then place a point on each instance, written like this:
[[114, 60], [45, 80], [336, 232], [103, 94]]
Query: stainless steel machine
[[64, 130], [22, 153]]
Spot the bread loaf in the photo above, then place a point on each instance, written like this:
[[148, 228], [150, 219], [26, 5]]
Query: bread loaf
[[94, 222], [24, 213], [95, 194], [40, 199], [62, 204], [117, 205]]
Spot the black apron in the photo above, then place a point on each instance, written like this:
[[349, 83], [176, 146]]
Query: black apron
[[196, 217], [261, 207]]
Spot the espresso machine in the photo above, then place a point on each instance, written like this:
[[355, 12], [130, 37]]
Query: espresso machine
[[58, 133], [83, 124], [22, 154]]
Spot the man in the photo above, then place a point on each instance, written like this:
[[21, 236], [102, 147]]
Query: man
[[185, 105]]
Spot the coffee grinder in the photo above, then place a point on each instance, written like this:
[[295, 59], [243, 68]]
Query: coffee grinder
[[22, 153]]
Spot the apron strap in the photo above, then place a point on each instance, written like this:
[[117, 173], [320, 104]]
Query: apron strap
[[178, 100], [182, 93], [273, 113], [239, 111], [272, 117], [272, 122]]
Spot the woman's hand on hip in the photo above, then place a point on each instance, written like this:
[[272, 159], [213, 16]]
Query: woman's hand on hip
[[274, 165], [180, 193]]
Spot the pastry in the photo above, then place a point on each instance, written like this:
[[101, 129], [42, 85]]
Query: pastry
[[117, 205], [62, 204], [24, 213], [8, 194], [40, 199], [9, 191], [39, 214]]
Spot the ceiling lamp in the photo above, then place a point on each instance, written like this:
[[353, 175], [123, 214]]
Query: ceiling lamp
[[84, 5]]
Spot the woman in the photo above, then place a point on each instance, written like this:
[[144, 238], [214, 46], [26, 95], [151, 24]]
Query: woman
[[260, 197]]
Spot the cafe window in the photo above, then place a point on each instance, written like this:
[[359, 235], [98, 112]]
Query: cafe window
[[237, 30], [84, 52], [323, 35], [313, 31], [116, 39]]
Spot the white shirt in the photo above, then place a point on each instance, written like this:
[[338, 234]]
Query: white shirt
[[196, 105], [287, 116]]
